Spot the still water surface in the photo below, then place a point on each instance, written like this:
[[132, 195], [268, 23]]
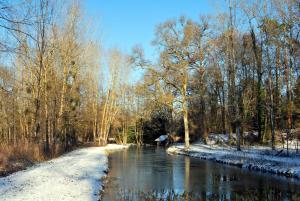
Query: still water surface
[[151, 169]]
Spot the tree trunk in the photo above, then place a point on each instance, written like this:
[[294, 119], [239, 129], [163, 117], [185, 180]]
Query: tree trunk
[[47, 147], [185, 116], [272, 122], [288, 113], [259, 101], [238, 135]]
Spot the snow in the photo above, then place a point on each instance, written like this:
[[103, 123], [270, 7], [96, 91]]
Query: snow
[[73, 176], [218, 138], [161, 138], [223, 139], [253, 158]]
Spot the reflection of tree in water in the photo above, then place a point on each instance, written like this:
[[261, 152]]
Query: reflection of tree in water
[[143, 173], [170, 195]]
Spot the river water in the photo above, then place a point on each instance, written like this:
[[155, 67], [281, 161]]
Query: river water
[[139, 172]]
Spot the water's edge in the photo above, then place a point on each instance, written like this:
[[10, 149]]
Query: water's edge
[[150, 169], [250, 166]]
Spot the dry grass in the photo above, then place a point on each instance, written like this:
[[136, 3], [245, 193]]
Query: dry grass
[[17, 157]]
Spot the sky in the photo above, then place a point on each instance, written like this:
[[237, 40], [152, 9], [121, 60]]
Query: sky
[[126, 23]]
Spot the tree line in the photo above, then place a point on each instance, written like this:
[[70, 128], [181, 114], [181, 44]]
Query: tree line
[[58, 86], [232, 73]]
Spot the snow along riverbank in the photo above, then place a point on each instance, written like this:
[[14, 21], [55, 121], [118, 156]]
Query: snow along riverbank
[[255, 158], [73, 176]]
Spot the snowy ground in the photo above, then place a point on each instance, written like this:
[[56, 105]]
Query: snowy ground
[[73, 176], [253, 158]]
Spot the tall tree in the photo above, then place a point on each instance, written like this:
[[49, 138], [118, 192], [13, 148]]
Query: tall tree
[[180, 43]]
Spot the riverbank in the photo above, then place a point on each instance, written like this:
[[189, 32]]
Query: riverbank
[[20, 156], [74, 176], [252, 158]]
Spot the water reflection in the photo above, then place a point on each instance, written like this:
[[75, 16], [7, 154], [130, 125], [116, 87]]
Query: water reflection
[[150, 172], [187, 163], [170, 195]]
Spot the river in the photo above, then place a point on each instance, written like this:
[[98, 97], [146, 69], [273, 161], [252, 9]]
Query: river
[[140, 172]]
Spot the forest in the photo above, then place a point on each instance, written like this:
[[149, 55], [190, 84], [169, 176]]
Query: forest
[[235, 73]]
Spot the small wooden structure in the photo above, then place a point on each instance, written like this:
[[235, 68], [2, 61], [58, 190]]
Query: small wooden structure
[[162, 140]]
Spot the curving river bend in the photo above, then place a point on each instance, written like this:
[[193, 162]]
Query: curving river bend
[[151, 169]]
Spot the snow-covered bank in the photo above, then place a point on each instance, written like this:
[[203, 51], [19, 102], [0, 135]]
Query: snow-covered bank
[[255, 158], [73, 176]]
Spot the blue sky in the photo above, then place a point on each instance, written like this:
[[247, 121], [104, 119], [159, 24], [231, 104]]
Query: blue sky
[[126, 23]]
